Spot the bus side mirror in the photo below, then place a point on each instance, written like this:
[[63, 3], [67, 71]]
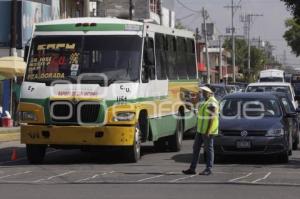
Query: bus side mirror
[[26, 51]]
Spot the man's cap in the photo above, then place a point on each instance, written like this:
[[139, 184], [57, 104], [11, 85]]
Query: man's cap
[[205, 88]]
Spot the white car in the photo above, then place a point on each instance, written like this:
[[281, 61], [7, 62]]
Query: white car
[[273, 87]]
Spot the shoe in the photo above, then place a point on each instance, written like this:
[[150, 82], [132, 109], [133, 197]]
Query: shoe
[[206, 172], [189, 172]]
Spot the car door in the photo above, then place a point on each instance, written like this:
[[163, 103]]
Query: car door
[[293, 121]]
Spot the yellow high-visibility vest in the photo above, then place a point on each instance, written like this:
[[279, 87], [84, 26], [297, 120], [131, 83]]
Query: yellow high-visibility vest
[[204, 116]]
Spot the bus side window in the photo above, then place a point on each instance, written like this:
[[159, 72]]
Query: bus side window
[[191, 60], [148, 70], [171, 57], [161, 61], [181, 58]]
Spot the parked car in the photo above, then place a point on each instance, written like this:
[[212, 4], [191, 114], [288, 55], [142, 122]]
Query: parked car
[[289, 108], [274, 87], [256, 124], [219, 90], [232, 88]]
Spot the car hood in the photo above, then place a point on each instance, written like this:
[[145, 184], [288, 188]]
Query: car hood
[[250, 124]]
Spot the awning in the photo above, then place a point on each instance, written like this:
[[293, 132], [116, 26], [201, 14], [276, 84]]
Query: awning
[[11, 67], [201, 67]]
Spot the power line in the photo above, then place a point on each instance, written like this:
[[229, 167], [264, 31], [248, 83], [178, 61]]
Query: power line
[[190, 9]]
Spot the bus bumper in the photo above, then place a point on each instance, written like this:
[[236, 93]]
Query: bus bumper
[[78, 135]]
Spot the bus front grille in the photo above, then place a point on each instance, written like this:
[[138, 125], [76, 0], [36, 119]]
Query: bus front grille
[[66, 112]]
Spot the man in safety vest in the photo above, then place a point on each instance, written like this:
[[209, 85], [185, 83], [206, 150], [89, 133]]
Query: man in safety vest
[[207, 128]]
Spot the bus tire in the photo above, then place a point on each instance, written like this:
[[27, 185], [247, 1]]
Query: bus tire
[[134, 151], [36, 153], [175, 141], [160, 145]]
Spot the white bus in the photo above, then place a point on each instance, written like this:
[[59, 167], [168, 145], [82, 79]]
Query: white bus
[[107, 82]]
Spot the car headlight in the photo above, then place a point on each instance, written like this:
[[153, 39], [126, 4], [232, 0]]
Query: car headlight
[[124, 116], [275, 133], [28, 116]]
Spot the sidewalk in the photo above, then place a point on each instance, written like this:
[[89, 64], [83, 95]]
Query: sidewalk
[[9, 134]]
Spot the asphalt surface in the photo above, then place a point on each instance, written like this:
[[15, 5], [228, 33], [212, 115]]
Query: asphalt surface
[[104, 174]]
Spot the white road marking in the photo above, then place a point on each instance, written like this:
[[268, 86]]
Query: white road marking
[[16, 174], [242, 177], [94, 176], [51, 177], [24, 158], [178, 179], [153, 177], [260, 179]]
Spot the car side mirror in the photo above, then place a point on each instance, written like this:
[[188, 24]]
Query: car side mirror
[[26, 51], [297, 110], [293, 114]]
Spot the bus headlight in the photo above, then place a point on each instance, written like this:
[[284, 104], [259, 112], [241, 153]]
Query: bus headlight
[[275, 133], [28, 116], [124, 116]]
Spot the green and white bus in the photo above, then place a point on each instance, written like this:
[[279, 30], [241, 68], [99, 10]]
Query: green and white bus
[[107, 82]]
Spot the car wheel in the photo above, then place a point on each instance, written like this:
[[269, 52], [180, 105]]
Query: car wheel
[[35, 153], [295, 144], [283, 158], [175, 141], [134, 151]]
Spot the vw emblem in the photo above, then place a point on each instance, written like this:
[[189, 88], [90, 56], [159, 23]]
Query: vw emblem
[[244, 133]]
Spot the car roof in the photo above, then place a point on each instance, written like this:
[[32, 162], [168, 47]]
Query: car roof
[[270, 84], [262, 95]]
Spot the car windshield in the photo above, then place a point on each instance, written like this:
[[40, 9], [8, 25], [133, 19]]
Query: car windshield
[[250, 108], [261, 88], [60, 57], [271, 79]]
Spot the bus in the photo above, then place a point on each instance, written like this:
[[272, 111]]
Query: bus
[[108, 82], [272, 75]]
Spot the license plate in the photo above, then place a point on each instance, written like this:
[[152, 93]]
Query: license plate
[[243, 144]]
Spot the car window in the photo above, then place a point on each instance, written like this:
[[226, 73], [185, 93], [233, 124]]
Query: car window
[[287, 105]]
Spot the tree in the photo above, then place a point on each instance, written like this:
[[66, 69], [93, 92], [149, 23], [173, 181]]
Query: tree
[[294, 7], [292, 35], [258, 58]]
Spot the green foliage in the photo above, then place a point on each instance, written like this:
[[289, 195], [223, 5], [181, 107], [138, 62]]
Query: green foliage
[[258, 58], [292, 35], [294, 7]]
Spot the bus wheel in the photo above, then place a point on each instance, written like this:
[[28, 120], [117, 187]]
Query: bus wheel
[[134, 151], [160, 145], [35, 153], [175, 141]]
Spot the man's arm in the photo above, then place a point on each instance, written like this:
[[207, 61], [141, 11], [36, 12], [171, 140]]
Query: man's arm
[[212, 112]]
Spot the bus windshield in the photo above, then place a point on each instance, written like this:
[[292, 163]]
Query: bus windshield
[[67, 57]]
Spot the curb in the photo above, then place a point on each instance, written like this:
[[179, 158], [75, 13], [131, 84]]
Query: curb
[[9, 134]]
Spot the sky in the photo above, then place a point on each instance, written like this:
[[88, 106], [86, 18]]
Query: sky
[[270, 26]]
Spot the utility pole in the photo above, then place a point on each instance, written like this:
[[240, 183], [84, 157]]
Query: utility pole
[[130, 10], [13, 41], [205, 17], [233, 8], [86, 10], [220, 59], [248, 19]]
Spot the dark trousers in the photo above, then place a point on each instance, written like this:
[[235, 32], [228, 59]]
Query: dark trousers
[[208, 142]]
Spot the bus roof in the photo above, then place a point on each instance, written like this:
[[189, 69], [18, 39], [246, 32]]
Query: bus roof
[[86, 24]]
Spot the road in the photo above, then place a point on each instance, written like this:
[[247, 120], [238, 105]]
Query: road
[[75, 174]]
